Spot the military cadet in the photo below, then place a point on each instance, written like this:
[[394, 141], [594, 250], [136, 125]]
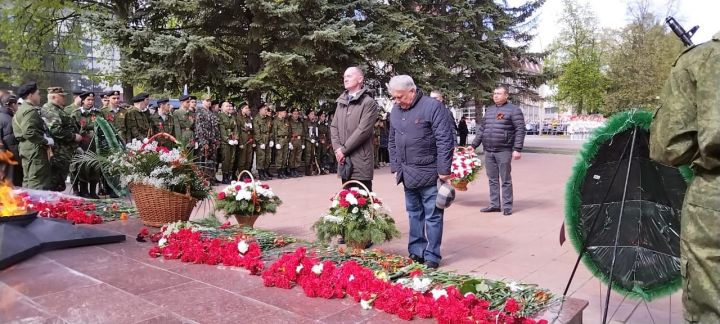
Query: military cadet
[[325, 146], [263, 135], [105, 100], [85, 179], [281, 134], [193, 103], [228, 141], [311, 143], [207, 133], [65, 132], [114, 113], [137, 124], [163, 121], [35, 143], [297, 143], [185, 119], [244, 157], [69, 110], [685, 132]]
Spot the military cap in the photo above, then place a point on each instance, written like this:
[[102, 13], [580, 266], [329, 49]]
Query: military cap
[[87, 94], [139, 98], [307, 113], [281, 108], [77, 92], [113, 93], [103, 94], [26, 89], [193, 98], [162, 100], [56, 90], [184, 98], [8, 99], [216, 102], [294, 110]]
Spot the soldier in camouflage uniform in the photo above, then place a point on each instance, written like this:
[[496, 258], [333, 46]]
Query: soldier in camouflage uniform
[[685, 131], [297, 143], [207, 133], [281, 134], [64, 131], [76, 103], [311, 143], [263, 135], [85, 180], [324, 149], [244, 157], [35, 142], [105, 100], [137, 124], [163, 121], [185, 119], [115, 114], [228, 141]]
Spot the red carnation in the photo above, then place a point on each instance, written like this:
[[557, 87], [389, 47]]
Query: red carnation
[[247, 180], [511, 306], [362, 201], [221, 195]]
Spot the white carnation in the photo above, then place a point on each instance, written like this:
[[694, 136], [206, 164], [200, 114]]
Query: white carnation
[[243, 247]]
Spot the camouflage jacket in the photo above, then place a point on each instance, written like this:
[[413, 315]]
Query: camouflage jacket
[[206, 129], [163, 125], [245, 129], [28, 126], [298, 130], [137, 125], [685, 130], [324, 134], [185, 130], [116, 117], [228, 128], [312, 131], [86, 120], [62, 126], [281, 128], [262, 129]]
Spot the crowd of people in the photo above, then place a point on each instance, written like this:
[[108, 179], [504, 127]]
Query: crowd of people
[[222, 135]]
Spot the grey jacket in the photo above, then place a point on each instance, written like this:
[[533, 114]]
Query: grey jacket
[[501, 129], [9, 142], [421, 142], [352, 130]]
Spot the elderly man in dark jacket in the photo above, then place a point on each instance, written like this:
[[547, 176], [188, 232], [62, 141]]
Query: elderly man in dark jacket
[[421, 149], [8, 105], [502, 133], [351, 130]]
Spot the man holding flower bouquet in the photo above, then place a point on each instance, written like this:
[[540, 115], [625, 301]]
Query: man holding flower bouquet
[[421, 152]]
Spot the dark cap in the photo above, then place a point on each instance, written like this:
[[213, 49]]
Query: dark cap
[[162, 100], [139, 98], [26, 89], [113, 93], [280, 108], [184, 98], [8, 99], [87, 94], [193, 98], [216, 102], [56, 90], [77, 92], [294, 110], [104, 95]]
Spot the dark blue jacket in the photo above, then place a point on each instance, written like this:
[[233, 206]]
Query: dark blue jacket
[[501, 129], [421, 142]]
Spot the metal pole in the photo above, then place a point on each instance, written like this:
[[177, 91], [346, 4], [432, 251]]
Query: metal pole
[[619, 222]]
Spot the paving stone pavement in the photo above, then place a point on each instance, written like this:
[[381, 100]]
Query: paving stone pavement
[[119, 283]]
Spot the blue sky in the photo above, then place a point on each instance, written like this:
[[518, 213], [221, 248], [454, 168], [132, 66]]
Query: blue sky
[[613, 13]]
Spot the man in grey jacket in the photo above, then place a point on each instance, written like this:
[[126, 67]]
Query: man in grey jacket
[[502, 133], [421, 149]]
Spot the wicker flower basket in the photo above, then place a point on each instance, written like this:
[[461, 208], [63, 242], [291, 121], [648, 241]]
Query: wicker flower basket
[[357, 245], [248, 221], [158, 207], [460, 185]]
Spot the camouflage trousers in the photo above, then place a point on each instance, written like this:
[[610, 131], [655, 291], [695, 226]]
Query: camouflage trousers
[[228, 157], [37, 169], [244, 158], [700, 261], [296, 154], [281, 155]]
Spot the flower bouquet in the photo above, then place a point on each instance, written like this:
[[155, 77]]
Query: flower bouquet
[[358, 216], [165, 182], [465, 167], [247, 200]]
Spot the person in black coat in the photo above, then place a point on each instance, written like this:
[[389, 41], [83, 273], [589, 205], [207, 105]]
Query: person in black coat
[[8, 105], [463, 131]]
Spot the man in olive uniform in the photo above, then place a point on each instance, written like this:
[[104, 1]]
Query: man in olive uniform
[[228, 141], [244, 157], [281, 134], [114, 113], [685, 132], [324, 151], [297, 143], [76, 102], [104, 100], [311, 143], [85, 180], [35, 143], [185, 128], [64, 131], [163, 121], [263, 138], [137, 124], [207, 133]]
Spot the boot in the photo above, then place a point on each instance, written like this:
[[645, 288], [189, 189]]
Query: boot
[[293, 172], [261, 175], [93, 191], [281, 174], [83, 189], [298, 173], [309, 171], [226, 178], [268, 175]]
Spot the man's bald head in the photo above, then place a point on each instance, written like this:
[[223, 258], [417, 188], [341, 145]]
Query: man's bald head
[[353, 79]]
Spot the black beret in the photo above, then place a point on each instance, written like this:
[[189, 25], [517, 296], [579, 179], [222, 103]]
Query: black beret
[[294, 110], [162, 100], [184, 98], [193, 98], [8, 99], [216, 102], [86, 94], [139, 98], [26, 89], [77, 92], [113, 93], [281, 108], [104, 94]]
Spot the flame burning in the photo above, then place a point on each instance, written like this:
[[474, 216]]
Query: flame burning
[[10, 204]]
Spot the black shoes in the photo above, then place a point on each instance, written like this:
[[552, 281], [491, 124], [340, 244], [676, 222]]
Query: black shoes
[[507, 212], [490, 210], [416, 258], [432, 264]]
